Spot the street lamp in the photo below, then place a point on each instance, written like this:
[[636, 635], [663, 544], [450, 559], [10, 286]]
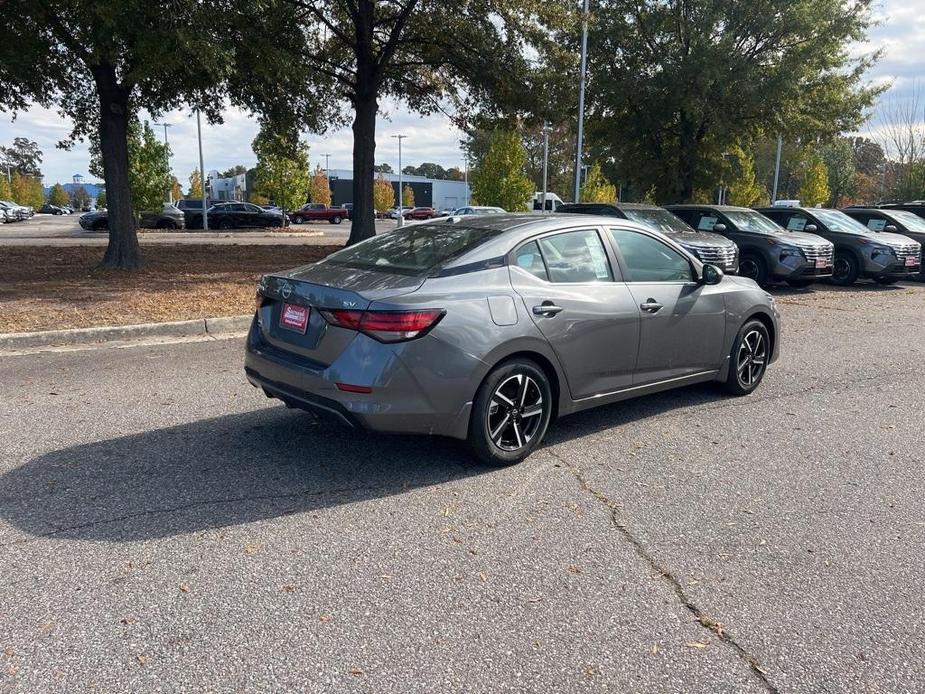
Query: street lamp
[[545, 163], [327, 158], [581, 98], [401, 217], [202, 175], [167, 157]]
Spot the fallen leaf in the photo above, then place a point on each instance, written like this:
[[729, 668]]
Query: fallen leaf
[[325, 618], [184, 588], [288, 589], [356, 671], [9, 652], [483, 576], [697, 644], [573, 569], [535, 600], [128, 620], [251, 549], [141, 659], [654, 648]]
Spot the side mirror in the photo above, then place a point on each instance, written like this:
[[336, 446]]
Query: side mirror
[[891, 228], [811, 228], [719, 228], [710, 274]]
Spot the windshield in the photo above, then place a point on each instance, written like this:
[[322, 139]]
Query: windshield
[[910, 220], [413, 250], [841, 223], [754, 222], [657, 220]]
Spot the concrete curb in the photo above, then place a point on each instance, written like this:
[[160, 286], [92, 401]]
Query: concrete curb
[[11, 342]]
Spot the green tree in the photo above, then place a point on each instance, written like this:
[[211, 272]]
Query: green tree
[[467, 52], [195, 185], [58, 196], [79, 198], [383, 168], [319, 187], [815, 187], [499, 177], [101, 198], [101, 62], [407, 196], [27, 190], [282, 172], [383, 194], [596, 187], [149, 175], [838, 157], [454, 173], [5, 192], [235, 170], [672, 84], [176, 192], [23, 156], [744, 189]]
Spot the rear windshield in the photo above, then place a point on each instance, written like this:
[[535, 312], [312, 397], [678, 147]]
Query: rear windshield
[[415, 250], [658, 220]]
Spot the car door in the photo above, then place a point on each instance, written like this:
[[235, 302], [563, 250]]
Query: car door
[[682, 322], [587, 315]]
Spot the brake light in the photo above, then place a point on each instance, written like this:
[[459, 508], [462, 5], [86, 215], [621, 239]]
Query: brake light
[[386, 326]]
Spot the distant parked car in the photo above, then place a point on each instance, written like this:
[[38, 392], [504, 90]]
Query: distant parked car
[[475, 209], [767, 251], [237, 215], [192, 210], [420, 213], [859, 251], [94, 221], [20, 212], [316, 212], [169, 217], [6, 216], [48, 208], [708, 247], [892, 220], [348, 208]]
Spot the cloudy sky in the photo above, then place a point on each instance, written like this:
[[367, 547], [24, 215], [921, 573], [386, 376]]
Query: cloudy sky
[[901, 35]]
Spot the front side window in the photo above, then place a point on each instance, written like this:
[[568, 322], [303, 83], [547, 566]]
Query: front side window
[[797, 222], [649, 260], [576, 256]]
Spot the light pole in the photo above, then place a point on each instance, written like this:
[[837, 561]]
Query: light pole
[[167, 157], [466, 179], [780, 145], [401, 217], [327, 159], [545, 164], [581, 98], [202, 176]]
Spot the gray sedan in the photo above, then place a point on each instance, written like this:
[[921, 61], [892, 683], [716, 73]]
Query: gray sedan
[[487, 328]]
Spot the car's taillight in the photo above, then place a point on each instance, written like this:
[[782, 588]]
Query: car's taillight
[[386, 326]]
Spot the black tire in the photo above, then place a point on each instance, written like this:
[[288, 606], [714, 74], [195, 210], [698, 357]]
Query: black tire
[[225, 224], [845, 269], [745, 372], [166, 224], [101, 225], [754, 267], [886, 280], [496, 410], [335, 220], [298, 220], [800, 284]]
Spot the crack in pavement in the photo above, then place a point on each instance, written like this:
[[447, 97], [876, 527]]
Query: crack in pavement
[[195, 504], [707, 622]]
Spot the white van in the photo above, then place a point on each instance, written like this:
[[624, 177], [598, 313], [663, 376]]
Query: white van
[[552, 201]]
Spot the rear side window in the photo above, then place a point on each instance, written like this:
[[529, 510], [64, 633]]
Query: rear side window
[[650, 260], [576, 256], [414, 250], [528, 258]]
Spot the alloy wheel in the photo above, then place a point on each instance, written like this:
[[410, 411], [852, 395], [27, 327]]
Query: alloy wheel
[[841, 269], [748, 268], [515, 413], [752, 358]]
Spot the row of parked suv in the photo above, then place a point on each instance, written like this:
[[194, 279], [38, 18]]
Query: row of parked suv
[[787, 242], [11, 212]]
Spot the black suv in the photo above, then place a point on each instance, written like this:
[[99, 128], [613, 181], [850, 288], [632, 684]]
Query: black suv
[[236, 215], [767, 251], [707, 247], [859, 252], [894, 220]]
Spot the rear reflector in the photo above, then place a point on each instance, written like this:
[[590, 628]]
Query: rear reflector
[[386, 326], [350, 388]]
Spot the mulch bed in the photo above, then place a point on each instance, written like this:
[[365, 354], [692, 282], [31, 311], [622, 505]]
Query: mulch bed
[[43, 288]]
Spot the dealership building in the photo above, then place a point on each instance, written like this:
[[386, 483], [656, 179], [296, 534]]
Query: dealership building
[[428, 192]]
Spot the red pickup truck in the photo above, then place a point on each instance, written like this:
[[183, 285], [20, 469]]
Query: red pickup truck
[[314, 212]]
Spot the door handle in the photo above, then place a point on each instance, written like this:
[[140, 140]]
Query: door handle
[[651, 306], [547, 308]]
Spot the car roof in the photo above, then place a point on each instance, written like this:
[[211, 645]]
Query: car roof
[[718, 208], [616, 205]]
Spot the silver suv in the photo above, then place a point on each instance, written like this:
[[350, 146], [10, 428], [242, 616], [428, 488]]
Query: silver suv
[[705, 246]]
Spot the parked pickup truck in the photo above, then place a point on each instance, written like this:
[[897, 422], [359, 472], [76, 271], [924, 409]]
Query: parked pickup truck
[[314, 212]]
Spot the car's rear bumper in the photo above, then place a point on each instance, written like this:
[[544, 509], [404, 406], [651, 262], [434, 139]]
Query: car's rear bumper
[[397, 403]]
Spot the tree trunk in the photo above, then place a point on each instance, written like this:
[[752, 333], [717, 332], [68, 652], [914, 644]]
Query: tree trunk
[[123, 251], [364, 155]]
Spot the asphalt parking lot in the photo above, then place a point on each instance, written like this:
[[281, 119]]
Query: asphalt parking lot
[[163, 527]]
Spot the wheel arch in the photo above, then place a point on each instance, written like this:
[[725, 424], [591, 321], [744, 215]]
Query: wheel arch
[[768, 323]]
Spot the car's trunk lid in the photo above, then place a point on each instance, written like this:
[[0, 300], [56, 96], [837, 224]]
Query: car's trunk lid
[[320, 287]]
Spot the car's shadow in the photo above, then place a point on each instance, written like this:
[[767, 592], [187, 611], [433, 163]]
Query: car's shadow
[[253, 466]]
